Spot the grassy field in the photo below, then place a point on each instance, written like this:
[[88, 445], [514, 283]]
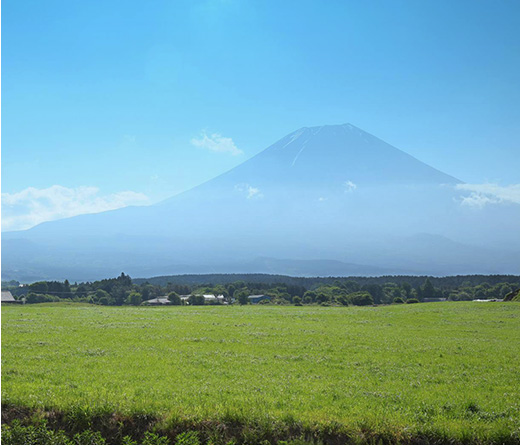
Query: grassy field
[[428, 373]]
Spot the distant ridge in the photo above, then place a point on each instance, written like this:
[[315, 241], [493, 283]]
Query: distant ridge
[[308, 282]]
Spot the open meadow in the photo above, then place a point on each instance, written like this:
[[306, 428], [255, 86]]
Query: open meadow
[[429, 373]]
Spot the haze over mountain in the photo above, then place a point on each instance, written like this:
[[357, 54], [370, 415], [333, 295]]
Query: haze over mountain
[[329, 200]]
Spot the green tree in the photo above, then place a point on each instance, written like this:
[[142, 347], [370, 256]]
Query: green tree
[[361, 298], [39, 287], [66, 289], [134, 298], [376, 291], [309, 297], [460, 295], [297, 300], [174, 298], [33, 298], [106, 300], [407, 288], [100, 294], [419, 292], [196, 299], [503, 290], [343, 299], [242, 296], [322, 297], [428, 289], [351, 287]]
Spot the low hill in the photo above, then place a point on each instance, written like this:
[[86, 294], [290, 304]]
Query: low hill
[[309, 282]]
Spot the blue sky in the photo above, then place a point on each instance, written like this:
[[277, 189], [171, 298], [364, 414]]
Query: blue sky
[[129, 102]]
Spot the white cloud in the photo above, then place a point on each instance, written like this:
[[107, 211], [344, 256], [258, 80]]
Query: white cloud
[[253, 192], [249, 191], [216, 143], [31, 206], [322, 199], [349, 186], [488, 193]]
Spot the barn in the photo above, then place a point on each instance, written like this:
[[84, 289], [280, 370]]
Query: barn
[[7, 298]]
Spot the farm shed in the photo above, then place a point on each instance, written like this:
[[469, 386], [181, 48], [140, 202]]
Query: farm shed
[[255, 298], [7, 297], [157, 301], [210, 298]]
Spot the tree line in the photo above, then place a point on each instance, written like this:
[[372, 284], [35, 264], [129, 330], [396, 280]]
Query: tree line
[[313, 282], [123, 290]]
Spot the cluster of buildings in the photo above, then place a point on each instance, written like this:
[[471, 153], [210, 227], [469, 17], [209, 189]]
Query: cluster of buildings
[[208, 299], [7, 297]]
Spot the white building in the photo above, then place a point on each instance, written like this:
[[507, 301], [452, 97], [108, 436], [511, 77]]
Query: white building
[[211, 298]]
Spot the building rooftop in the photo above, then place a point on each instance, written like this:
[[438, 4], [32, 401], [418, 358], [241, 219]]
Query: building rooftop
[[7, 297]]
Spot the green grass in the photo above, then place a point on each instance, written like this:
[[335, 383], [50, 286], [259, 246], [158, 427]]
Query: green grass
[[432, 373]]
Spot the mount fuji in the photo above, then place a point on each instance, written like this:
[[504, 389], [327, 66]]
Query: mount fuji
[[329, 200]]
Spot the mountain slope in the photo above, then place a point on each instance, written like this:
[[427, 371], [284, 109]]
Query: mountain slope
[[330, 192]]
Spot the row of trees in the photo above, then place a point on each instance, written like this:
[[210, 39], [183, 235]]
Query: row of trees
[[123, 291], [311, 283]]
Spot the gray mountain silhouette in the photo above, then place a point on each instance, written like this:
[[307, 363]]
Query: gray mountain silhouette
[[332, 196]]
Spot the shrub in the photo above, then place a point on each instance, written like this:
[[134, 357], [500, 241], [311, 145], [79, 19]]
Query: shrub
[[88, 437], [309, 297], [107, 300], [196, 299], [322, 297], [18, 434], [153, 438], [33, 298], [343, 300], [398, 300], [134, 298], [513, 296], [460, 295], [413, 300], [189, 437], [361, 298]]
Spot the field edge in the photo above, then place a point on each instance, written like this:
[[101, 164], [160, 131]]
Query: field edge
[[82, 425]]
